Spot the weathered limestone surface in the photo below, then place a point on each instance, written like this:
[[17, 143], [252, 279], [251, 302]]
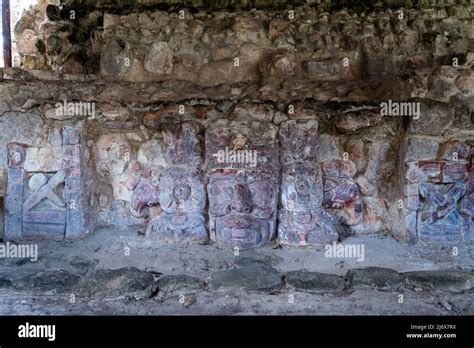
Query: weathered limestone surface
[[251, 278], [182, 195], [167, 92], [47, 204], [373, 277], [302, 220], [314, 282], [436, 191], [276, 43], [242, 168]]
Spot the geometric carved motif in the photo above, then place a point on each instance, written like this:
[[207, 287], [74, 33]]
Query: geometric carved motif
[[45, 204], [439, 218], [341, 193], [440, 193], [302, 219], [181, 192]]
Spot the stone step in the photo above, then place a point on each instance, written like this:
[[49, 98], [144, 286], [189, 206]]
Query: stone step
[[139, 284]]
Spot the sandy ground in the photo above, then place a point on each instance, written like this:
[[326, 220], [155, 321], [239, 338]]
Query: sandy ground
[[115, 248]]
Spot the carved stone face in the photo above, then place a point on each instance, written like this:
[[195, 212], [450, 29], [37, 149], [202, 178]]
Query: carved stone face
[[183, 142], [301, 219], [182, 196], [144, 195], [298, 141], [302, 187], [242, 207], [341, 193], [313, 226], [239, 141], [181, 190], [243, 194], [16, 154], [178, 227]]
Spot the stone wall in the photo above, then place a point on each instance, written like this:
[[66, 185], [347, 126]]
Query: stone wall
[[319, 79], [212, 48]]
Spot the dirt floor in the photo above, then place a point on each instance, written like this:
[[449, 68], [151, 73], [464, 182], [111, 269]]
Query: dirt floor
[[118, 271]]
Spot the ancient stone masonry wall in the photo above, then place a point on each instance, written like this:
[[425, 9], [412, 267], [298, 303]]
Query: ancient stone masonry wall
[[303, 125], [270, 46]]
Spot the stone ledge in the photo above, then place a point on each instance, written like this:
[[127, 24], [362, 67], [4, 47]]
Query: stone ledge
[[138, 284], [43, 85]]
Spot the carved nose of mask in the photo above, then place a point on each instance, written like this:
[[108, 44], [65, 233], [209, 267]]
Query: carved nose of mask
[[240, 201], [137, 203]]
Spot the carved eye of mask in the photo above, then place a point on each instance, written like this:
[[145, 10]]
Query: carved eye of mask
[[222, 191], [220, 196], [262, 193], [302, 186], [182, 191]]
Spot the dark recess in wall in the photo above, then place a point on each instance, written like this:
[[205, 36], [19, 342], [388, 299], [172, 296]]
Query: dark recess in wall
[[128, 6]]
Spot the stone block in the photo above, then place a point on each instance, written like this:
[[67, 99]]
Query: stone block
[[467, 209], [411, 226], [374, 278], [159, 59], [116, 59], [250, 278], [455, 171], [411, 190], [455, 151], [178, 285], [412, 203], [450, 280], [314, 282], [431, 171], [354, 121], [434, 119], [327, 148], [13, 218], [380, 162], [71, 136], [439, 219], [112, 154], [178, 227], [323, 69], [42, 160], [339, 169], [15, 181], [355, 149], [414, 149]]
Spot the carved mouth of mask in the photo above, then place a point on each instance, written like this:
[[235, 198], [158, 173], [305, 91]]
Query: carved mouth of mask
[[242, 231], [303, 217]]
